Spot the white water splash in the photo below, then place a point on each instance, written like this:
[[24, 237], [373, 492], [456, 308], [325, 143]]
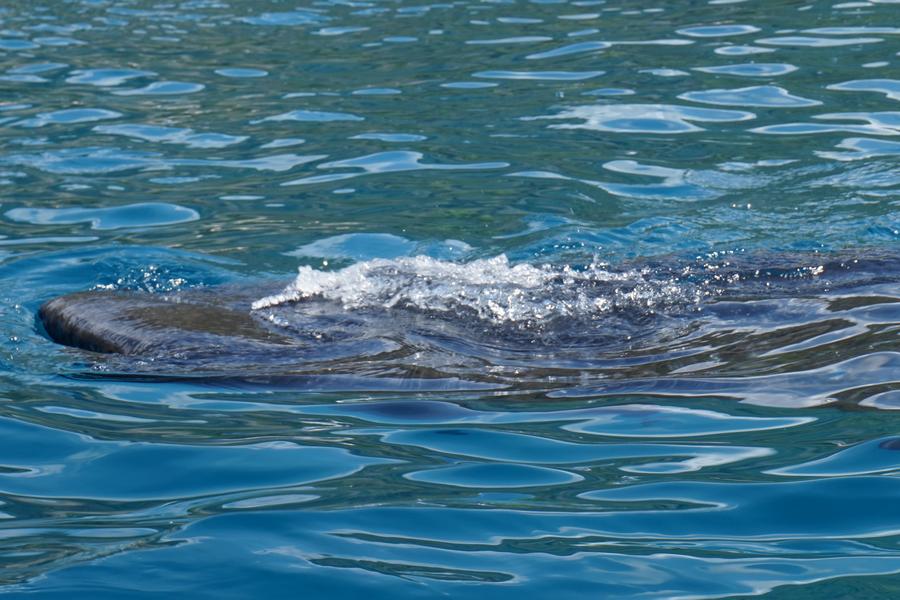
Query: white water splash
[[494, 289]]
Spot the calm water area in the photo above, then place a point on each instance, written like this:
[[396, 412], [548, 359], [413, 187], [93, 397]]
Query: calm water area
[[596, 298]]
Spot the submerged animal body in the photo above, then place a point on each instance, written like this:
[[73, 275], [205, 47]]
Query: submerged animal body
[[486, 321]]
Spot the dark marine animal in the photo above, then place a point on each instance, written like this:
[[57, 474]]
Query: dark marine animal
[[589, 322]]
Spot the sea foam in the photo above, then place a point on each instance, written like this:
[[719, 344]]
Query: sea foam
[[493, 289]]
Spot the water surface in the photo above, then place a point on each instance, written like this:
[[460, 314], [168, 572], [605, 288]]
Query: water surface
[[607, 298]]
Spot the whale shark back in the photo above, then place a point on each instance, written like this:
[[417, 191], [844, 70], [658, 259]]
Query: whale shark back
[[490, 321]]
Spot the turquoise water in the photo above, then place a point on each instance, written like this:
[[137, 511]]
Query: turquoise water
[[604, 298]]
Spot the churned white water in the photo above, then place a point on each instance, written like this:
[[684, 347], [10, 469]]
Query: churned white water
[[494, 289]]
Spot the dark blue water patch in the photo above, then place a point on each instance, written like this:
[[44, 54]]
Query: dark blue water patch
[[398, 556], [868, 458], [516, 448], [400, 411], [38, 277], [634, 420], [802, 509], [129, 472]]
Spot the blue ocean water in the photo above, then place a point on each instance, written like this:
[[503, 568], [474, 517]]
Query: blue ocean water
[[596, 298]]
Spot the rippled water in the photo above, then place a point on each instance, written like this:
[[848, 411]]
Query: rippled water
[[595, 298]]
